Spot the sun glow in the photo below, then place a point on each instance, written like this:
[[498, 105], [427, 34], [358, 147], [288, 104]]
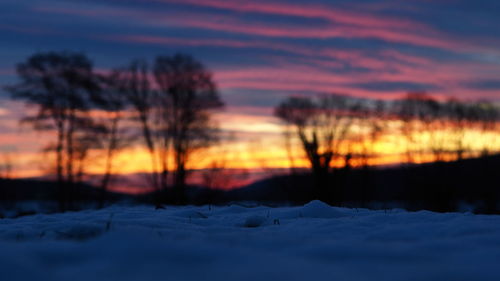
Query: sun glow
[[259, 144]]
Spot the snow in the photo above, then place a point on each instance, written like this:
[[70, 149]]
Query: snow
[[312, 242]]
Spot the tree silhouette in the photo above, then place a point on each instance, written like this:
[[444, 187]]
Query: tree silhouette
[[322, 126], [6, 166], [112, 100], [59, 86], [418, 113], [373, 117], [188, 97], [135, 83], [486, 115], [460, 116]]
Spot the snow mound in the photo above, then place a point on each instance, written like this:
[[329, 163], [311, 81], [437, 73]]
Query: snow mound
[[254, 221], [227, 243], [190, 214], [318, 209], [80, 232]]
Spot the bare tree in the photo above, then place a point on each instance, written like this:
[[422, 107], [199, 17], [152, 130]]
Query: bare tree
[[445, 124], [6, 166], [287, 138], [188, 96], [486, 115], [419, 113], [434, 118], [322, 126], [373, 117], [460, 116], [87, 140], [405, 109], [58, 85], [218, 176], [136, 86], [112, 99]]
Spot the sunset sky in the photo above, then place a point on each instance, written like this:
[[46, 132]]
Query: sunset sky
[[260, 52]]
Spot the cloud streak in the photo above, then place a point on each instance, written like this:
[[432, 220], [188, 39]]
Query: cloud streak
[[340, 24], [308, 10]]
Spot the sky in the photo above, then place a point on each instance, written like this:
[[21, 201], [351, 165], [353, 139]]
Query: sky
[[263, 51]]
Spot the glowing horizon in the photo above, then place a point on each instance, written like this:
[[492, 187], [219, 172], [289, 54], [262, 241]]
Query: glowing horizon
[[247, 152]]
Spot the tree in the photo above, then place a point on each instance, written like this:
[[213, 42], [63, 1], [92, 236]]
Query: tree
[[188, 97], [486, 115], [58, 85], [6, 166], [405, 110], [373, 119], [135, 83], [460, 116], [88, 139], [419, 113], [322, 127], [434, 117], [112, 99]]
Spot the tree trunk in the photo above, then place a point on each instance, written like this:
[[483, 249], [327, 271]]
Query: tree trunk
[[59, 167], [180, 176], [112, 145], [70, 158], [146, 132]]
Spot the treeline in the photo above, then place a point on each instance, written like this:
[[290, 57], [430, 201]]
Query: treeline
[[166, 105], [334, 132], [168, 102]]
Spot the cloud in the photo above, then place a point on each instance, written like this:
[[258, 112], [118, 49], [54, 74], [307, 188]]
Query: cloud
[[326, 31], [493, 84], [395, 86], [207, 42], [340, 24], [309, 10]]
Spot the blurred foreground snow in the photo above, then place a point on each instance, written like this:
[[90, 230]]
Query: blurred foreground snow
[[313, 242]]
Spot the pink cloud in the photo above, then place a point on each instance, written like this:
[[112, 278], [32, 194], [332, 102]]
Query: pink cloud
[[319, 56], [160, 40], [302, 71], [291, 87], [288, 76], [341, 24], [235, 25], [415, 60], [309, 11]]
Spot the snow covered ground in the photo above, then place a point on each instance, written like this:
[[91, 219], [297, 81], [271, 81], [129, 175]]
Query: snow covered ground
[[313, 242]]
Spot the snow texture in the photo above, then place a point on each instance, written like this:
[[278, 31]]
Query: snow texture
[[313, 242]]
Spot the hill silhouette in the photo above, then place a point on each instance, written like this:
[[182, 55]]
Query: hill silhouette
[[465, 185], [441, 186]]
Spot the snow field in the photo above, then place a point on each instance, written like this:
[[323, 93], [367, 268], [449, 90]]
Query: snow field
[[312, 242]]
